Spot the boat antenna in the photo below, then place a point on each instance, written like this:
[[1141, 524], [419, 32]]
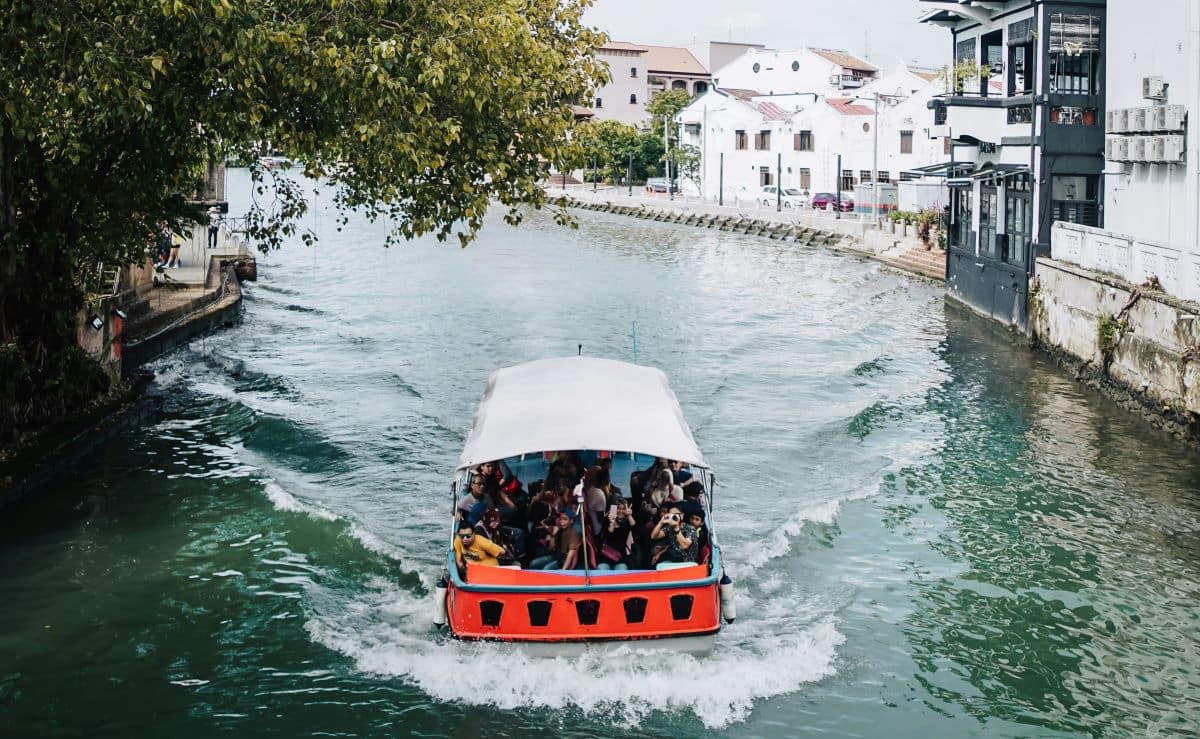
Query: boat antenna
[[635, 342], [583, 525], [580, 350]]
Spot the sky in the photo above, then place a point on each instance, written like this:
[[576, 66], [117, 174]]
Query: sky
[[888, 28]]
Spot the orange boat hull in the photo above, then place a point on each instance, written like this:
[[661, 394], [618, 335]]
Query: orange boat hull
[[562, 608]]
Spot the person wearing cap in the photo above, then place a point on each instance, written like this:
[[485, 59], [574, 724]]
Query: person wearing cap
[[474, 548], [567, 539]]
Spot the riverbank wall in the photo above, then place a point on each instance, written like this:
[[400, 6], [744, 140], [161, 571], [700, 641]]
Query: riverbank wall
[[150, 312], [895, 245], [1135, 344]]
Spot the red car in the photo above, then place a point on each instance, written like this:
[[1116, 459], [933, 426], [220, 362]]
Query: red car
[[827, 201]]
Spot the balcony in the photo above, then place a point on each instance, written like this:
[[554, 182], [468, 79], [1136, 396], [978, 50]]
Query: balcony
[[844, 81]]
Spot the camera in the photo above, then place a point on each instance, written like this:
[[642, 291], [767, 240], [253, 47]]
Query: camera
[[673, 517]]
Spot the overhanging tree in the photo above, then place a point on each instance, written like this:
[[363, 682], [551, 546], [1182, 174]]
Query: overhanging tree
[[424, 112]]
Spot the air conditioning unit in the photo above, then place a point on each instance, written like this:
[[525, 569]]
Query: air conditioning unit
[[1116, 121], [1155, 148], [1154, 88], [1174, 148], [1137, 148], [1170, 118], [1138, 120], [1116, 149]]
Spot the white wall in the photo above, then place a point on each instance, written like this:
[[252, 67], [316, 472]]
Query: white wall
[[1155, 202], [775, 74], [614, 95], [719, 116]]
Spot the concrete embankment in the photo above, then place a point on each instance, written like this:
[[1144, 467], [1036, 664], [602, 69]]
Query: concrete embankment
[[888, 245], [149, 313], [1135, 344]]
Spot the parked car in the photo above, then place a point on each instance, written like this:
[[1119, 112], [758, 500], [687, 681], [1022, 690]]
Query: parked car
[[657, 184], [827, 201], [790, 197]]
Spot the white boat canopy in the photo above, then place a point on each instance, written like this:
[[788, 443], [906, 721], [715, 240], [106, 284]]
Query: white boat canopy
[[578, 403]]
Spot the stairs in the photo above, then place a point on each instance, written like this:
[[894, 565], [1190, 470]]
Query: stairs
[[928, 262]]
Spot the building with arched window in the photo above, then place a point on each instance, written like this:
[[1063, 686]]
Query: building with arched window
[[639, 72]]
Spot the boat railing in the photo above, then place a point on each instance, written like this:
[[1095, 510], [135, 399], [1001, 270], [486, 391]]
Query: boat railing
[[595, 583]]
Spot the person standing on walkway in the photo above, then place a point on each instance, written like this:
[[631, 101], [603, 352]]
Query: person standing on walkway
[[214, 226], [172, 245]]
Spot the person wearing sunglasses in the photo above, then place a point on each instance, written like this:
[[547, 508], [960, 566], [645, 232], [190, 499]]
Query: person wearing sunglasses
[[475, 548]]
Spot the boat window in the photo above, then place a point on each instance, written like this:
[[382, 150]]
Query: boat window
[[588, 611], [681, 607], [539, 612], [635, 610], [489, 612]]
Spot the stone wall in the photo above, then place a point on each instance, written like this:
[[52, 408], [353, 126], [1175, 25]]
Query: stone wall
[[1138, 345]]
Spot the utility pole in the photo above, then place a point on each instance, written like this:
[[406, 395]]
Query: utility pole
[[837, 183], [629, 174], [667, 159], [593, 174], [721, 181], [778, 183], [875, 164]]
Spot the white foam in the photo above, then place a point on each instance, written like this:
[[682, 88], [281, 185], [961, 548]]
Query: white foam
[[386, 633], [285, 501]]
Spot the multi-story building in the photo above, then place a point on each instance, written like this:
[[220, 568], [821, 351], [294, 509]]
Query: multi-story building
[[1151, 183], [749, 140], [805, 70], [639, 72], [1025, 120]]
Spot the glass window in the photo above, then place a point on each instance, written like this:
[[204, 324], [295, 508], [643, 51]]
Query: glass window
[[739, 140], [764, 176], [762, 140], [803, 141], [1075, 199], [1074, 54], [599, 103], [987, 222], [960, 214], [885, 176], [633, 99], [847, 179], [633, 71], [906, 142], [864, 175], [1020, 69], [805, 178], [1018, 218]]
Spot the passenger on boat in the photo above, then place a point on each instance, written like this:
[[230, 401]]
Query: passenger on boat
[[566, 542], [640, 480], [661, 490], [694, 515], [509, 537], [542, 506], [472, 505], [616, 545], [595, 497], [613, 491], [475, 548], [678, 535]]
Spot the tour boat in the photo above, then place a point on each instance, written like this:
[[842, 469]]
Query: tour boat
[[595, 409]]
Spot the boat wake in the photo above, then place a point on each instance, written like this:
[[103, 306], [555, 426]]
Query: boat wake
[[385, 631]]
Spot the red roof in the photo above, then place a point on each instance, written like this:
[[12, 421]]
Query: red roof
[[847, 106], [773, 112]]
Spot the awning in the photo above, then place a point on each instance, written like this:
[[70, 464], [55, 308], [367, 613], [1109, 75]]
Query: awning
[[988, 171], [578, 403], [936, 170]]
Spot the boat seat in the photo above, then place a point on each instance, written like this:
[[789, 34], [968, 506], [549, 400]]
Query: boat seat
[[509, 567], [674, 565]]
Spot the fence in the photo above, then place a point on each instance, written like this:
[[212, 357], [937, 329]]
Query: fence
[[1130, 259]]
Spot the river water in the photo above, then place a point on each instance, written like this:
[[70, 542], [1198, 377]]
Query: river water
[[934, 531]]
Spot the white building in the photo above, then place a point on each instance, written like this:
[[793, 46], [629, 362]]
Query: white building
[[641, 71], [805, 70], [749, 140], [1152, 168]]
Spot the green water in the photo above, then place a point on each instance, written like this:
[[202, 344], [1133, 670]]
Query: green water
[[934, 532]]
